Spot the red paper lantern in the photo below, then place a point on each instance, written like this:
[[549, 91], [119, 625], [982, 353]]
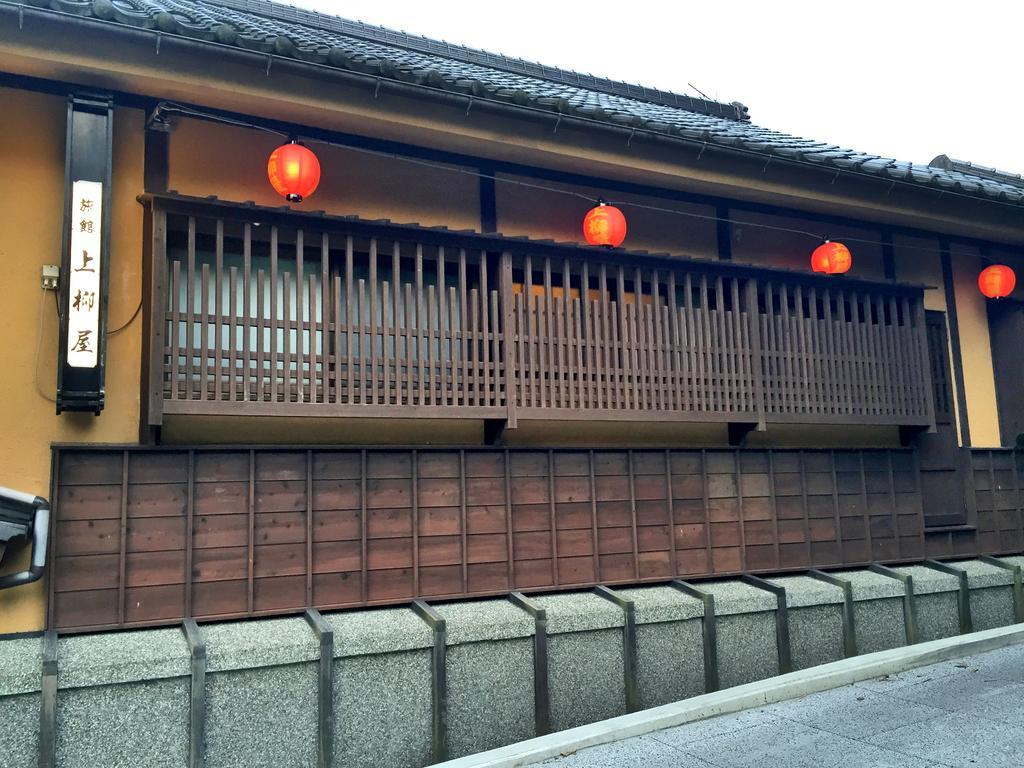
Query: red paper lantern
[[997, 281], [294, 171], [604, 225], [831, 258]]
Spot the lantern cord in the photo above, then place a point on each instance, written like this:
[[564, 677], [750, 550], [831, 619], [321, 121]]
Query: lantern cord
[[171, 107], [39, 346], [129, 321]]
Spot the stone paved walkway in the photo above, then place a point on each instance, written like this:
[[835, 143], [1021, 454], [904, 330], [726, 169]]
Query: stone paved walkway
[[968, 712]]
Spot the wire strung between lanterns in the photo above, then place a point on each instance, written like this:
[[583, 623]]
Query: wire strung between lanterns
[[168, 106]]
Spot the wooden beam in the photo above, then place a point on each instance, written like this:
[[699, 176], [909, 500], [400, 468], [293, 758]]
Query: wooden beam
[[954, 340]]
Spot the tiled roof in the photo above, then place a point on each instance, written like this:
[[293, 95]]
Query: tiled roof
[[282, 30]]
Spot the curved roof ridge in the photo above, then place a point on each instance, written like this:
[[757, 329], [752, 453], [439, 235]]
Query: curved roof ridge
[[329, 22]]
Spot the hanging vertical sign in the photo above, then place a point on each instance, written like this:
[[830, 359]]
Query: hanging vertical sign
[[84, 279], [83, 300]]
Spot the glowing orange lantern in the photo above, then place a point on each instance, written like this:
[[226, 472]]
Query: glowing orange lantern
[[831, 258], [294, 171], [997, 281], [604, 225]]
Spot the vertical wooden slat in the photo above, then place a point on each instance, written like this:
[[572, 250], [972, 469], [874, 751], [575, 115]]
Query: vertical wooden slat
[[204, 329], [624, 362], [251, 544], [531, 345], [190, 480], [632, 344], [611, 398], [159, 303], [350, 324], [565, 330], [415, 514], [495, 349], [123, 541], [521, 365], [589, 398], [579, 337], [711, 393], [247, 310], [274, 320], [364, 587], [373, 322], [546, 337], [462, 522], [757, 343], [721, 343], [325, 316], [175, 336], [312, 393], [454, 361], [338, 388], [233, 331], [260, 341], [786, 343], [630, 469], [309, 510], [696, 361], [553, 519], [509, 530], [420, 327], [300, 307], [464, 328], [411, 340], [361, 342], [385, 292], [709, 550], [286, 337], [832, 388], [443, 330], [663, 401], [836, 516], [485, 326], [818, 379], [675, 345], [474, 335], [806, 404], [615, 366], [772, 380], [396, 301], [670, 504], [218, 308], [594, 547], [432, 362], [190, 310]]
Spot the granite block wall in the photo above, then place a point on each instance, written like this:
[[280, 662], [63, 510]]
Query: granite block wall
[[125, 699]]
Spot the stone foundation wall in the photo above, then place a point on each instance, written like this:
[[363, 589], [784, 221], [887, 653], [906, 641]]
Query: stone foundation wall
[[410, 686]]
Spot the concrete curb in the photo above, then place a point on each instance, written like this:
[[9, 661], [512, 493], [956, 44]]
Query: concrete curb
[[790, 686]]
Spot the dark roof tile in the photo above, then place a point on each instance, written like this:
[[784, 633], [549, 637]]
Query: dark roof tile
[[283, 30]]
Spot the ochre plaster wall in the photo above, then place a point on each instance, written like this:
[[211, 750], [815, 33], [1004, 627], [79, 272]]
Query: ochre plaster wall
[[231, 163], [975, 348], [32, 195], [546, 209]]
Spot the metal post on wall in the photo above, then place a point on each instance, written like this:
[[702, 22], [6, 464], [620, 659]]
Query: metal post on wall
[[85, 253]]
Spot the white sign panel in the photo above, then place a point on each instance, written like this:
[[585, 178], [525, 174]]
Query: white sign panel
[[83, 308]]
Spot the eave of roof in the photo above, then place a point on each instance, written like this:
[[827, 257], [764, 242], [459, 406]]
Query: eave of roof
[[278, 30]]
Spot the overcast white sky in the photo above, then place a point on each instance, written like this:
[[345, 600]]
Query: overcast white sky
[[903, 78]]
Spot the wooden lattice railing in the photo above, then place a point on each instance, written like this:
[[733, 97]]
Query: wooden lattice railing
[[260, 312]]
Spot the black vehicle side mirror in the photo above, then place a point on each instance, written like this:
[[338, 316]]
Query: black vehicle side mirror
[[22, 514]]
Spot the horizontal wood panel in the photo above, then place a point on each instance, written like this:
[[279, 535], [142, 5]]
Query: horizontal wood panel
[[448, 523]]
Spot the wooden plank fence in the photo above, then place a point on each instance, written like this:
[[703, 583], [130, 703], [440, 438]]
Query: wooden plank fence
[[147, 536]]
